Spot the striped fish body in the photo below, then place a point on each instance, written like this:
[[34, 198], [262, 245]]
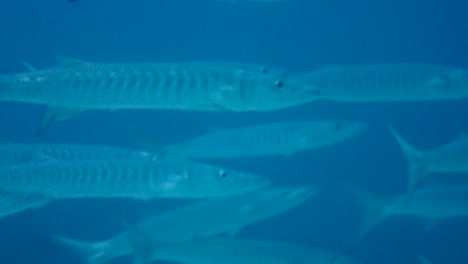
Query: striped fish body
[[389, 82], [182, 86], [126, 179], [285, 138], [13, 154]]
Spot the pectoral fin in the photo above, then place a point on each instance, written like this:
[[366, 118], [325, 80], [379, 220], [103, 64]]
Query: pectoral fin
[[56, 114], [13, 202]]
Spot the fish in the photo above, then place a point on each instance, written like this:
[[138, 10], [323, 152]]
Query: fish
[[281, 138], [433, 204], [403, 82], [229, 251], [131, 179], [449, 158], [76, 86], [205, 218], [16, 153]]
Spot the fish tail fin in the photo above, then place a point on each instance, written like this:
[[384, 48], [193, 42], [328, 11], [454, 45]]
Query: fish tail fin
[[372, 207], [417, 168], [144, 246], [91, 252]]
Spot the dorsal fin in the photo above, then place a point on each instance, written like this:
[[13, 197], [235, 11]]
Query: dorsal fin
[[72, 62]]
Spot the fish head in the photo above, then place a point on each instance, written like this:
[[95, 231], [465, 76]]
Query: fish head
[[257, 88], [214, 181]]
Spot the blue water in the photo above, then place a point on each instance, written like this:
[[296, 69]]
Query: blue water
[[297, 35]]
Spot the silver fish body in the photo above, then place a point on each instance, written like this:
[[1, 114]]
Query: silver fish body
[[178, 86], [440, 202], [229, 251], [433, 204], [389, 82], [14, 154], [283, 138], [449, 158], [207, 218], [126, 179]]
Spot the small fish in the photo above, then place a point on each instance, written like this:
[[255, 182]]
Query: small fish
[[134, 179], [450, 158], [201, 219], [14, 154], [389, 82], [229, 251], [284, 138], [77, 86]]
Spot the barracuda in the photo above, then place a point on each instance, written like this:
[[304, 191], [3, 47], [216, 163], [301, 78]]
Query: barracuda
[[282, 138], [134, 179], [206, 218], [389, 82], [77, 86]]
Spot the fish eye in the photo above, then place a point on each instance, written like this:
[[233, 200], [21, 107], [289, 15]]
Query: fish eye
[[279, 84], [222, 174]]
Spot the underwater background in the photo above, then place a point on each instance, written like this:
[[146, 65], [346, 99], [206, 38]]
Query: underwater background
[[298, 35]]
